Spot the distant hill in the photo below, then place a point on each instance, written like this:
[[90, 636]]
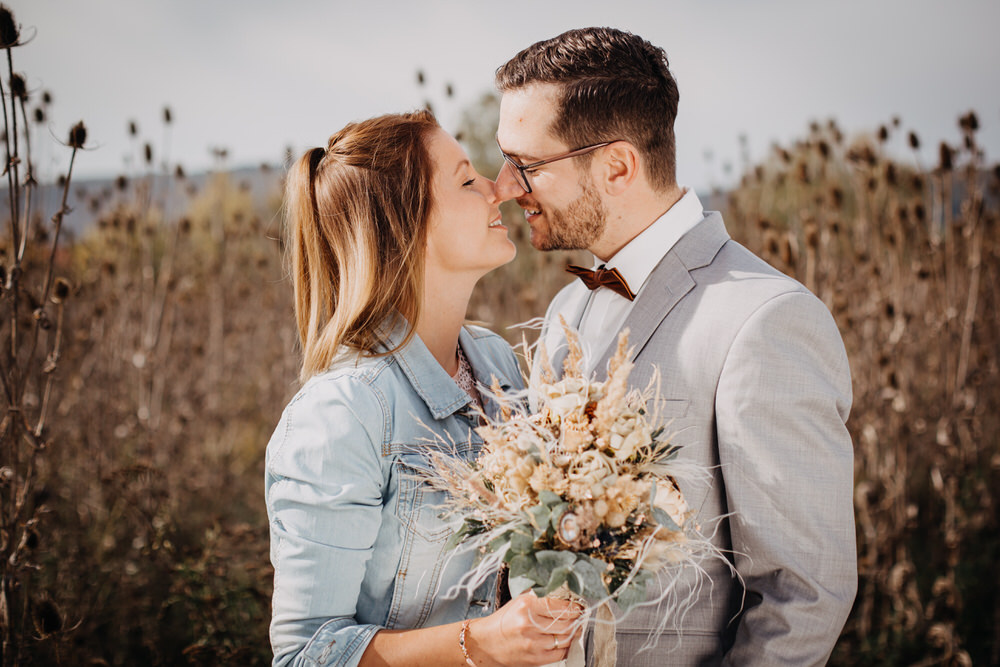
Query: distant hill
[[89, 198]]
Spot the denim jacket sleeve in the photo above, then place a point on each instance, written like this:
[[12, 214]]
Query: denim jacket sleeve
[[324, 488]]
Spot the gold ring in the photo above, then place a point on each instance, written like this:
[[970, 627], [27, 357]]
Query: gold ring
[[555, 643]]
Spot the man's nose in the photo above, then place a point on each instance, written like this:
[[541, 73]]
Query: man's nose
[[507, 186]]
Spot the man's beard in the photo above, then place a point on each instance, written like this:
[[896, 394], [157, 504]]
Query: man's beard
[[578, 225]]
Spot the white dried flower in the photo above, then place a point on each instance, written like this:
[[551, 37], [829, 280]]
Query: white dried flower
[[671, 500]]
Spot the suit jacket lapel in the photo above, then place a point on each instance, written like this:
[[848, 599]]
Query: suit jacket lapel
[[669, 282]]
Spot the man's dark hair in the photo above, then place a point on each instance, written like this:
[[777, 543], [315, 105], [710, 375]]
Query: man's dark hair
[[615, 85]]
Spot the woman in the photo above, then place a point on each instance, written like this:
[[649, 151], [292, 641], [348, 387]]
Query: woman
[[390, 228]]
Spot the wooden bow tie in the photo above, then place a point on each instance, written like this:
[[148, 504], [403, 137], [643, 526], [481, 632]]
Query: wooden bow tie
[[602, 277]]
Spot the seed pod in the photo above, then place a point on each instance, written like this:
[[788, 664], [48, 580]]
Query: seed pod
[[890, 174], [969, 122], [837, 197], [78, 135], [914, 141], [9, 32], [18, 87], [168, 117], [945, 153], [60, 290], [48, 618], [42, 318]]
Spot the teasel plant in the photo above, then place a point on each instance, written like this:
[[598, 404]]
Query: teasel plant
[[907, 258], [32, 309]]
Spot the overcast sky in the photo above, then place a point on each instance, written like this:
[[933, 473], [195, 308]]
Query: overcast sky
[[255, 76]]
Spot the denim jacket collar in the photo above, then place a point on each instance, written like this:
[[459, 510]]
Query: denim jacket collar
[[434, 386]]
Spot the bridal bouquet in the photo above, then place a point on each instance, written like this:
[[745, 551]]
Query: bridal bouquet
[[581, 494]]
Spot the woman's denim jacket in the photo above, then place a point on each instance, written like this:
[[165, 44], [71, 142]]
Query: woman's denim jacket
[[356, 541]]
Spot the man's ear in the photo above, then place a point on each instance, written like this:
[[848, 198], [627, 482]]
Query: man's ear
[[619, 167]]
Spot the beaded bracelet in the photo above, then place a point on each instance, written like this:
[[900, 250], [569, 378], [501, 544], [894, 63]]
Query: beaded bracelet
[[461, 643]]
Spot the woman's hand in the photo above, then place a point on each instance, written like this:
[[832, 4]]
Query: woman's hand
[[525, 632]]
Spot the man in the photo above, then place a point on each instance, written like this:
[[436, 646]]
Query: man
[[754, 372]]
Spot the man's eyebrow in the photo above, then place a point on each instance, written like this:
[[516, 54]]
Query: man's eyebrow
[[520, 157], [523, 159]]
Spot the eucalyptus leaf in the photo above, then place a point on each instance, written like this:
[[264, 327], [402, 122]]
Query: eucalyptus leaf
[[549, 498], [630, 595], [522, 543], [548, 561], [664, 520], [635, 591], [554, 559], [518, 585], [588, 573], [498, 543], [556, 579], [456, 538], [540, 516], [523, 565]]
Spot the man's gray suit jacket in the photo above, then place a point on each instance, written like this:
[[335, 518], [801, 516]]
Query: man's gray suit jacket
[[756, 381]]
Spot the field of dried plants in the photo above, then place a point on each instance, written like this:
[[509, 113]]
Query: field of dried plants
[[145, 362]]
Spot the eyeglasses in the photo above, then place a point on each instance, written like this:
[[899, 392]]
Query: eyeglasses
[[520, 169]]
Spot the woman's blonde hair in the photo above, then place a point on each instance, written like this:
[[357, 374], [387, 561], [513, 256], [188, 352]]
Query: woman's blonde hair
[[356, 216]]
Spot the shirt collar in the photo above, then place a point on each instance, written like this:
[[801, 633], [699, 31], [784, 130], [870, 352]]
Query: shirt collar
[[435, 387], [640, 256]]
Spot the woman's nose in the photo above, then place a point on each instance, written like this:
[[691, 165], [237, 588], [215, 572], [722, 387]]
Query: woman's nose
[[490, 188]]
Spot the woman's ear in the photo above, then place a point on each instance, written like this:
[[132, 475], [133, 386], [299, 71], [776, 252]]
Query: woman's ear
[[618, 167]]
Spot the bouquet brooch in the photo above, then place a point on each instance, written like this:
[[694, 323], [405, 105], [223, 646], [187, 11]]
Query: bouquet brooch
[[579, 498]]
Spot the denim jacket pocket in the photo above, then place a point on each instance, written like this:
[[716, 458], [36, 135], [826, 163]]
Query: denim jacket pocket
[[423, 555], [419, 505]]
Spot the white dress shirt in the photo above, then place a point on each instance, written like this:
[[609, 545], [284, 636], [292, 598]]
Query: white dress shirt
[[606, 310]]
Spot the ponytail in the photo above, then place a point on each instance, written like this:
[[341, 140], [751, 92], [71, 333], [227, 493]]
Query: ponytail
[[356, 215]]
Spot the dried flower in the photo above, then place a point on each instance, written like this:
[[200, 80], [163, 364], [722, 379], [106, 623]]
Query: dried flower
[[890, 174], [60, 290], [47, 617], [914, 141], [945, 152], [837, 197], [969, 122], [573, 484], [9, 31], [167, 116], [18, 87], [78, 135]]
